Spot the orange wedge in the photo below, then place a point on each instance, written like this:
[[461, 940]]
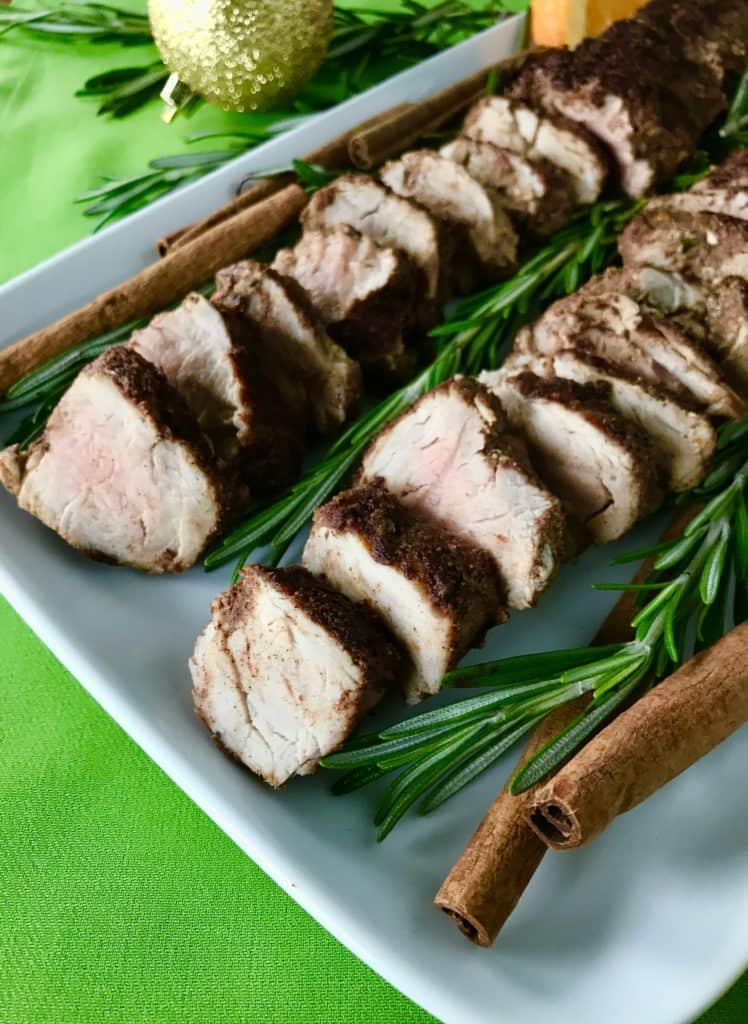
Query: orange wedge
[[555, 22]]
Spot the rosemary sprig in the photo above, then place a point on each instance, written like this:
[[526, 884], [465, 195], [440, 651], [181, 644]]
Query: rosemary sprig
[[469, 342], [96, 22], [122, 90], [698, 586]]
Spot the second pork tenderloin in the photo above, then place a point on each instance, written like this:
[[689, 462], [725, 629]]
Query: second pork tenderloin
[[684, 440], [611, 325]]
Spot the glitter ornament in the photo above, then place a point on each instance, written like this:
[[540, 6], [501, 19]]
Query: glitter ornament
[[242, 54]]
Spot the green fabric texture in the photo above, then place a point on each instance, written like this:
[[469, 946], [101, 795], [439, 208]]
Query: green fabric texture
[[120, 902]]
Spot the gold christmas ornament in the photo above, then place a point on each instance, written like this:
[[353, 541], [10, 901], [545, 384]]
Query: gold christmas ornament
[[240, 54]]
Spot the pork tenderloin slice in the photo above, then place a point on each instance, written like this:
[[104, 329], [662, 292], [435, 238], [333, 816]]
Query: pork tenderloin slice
[[448, 192], [684, 440], [370, 208], [291, 341], [285, 670], [715, 317], [122, 471], [514, 126], [614, 327], [211, 360], [436, 594], [597, 462], [364, 292], [706, 247], [537, 194], [450, 459]]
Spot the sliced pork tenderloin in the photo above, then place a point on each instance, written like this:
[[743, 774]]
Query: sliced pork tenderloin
[[211, 360], [364, 292], [448, 192], [684, 440], [514, 126], [603, 467], [437, 594], [638, 95], [538, 195], [450, 459], [122, 471], [705, 247], [285, 670], [290, 341], [614, 327], [370, 208]]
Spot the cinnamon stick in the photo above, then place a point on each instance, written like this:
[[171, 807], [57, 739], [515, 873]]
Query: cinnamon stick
[[332, 156], [157, 285], [666, 731], [372, 145], [495, 868], [487, 881], [254, 194]]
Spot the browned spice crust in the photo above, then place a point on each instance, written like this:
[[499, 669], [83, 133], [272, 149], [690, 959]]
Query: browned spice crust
[[451, 572], [724, 175], [273, 456], [593, 402]]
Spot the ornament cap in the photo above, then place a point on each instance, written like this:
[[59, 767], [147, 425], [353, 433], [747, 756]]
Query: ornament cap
[[175, 95]]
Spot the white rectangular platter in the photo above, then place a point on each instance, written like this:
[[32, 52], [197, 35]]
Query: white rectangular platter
[[649, 924]]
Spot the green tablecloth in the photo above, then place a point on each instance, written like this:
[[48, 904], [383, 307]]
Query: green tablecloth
[[119, 900]]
